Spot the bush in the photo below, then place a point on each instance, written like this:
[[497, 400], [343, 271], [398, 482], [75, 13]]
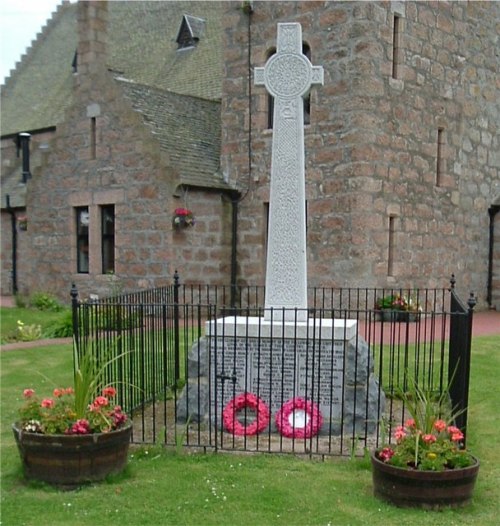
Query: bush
[[26, 333], [45, 301], [62, 327]]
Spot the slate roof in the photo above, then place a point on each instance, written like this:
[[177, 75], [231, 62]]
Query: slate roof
[[41, 87], [142, 48], [188, 128]]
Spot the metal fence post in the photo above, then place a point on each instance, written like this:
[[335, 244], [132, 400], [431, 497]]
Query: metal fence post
[[176, 328], [471, 303], [74, 310], [459, 355]]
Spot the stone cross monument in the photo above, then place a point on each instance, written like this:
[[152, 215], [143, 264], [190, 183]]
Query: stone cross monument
[[319, 359], [288, 76]]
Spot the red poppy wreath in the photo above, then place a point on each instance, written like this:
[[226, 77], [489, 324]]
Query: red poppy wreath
[[253, 402], [299, 418]]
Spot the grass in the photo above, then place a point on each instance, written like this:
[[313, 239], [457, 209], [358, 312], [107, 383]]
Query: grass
[[10, 316], [168, 488]]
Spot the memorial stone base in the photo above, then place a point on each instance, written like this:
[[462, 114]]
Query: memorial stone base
[[321, 360]]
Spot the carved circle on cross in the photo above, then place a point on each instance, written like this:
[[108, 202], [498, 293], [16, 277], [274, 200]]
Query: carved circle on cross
[[288, 75]]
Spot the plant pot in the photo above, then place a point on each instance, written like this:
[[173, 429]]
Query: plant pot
[[410, 488], [68, 461], [399, 315]]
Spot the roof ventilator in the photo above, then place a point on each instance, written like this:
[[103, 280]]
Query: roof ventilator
[[190, 32]]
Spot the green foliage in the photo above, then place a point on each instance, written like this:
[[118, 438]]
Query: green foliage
[[228, 489], [27, 333], [45, 301], [21, 301], [10, 316], [428, 440], [62, 327], [84, 408]]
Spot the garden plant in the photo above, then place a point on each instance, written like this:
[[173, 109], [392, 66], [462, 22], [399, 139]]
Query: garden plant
[[172, 487]]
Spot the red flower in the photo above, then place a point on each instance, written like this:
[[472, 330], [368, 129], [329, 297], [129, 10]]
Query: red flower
[[182, 212], [80, 427], [109, 391], [439, 425], [28, 393], [47, 402], [429, 439], [101, 401], [399, 433], [386, 454]]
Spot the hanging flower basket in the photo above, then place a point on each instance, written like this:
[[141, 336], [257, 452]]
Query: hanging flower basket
[[22, 223], [183, 218]]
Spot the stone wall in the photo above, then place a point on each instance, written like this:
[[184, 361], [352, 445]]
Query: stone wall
[[126, 168], [372, 145]]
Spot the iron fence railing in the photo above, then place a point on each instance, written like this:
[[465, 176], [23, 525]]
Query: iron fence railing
[[183, 356]]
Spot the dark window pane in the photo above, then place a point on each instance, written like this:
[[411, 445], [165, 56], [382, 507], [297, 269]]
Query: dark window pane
[[82, 239], [108, 238]]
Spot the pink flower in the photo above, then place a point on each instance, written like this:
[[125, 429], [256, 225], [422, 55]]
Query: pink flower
[[69, 390], [385, 454], [429, 439], [58, 392], [410, 422], [119, 418], [399, 433], [47, 402], [80, 427], [101, 401], [439, 425], [455, 434], [28, 393], [109, 391]]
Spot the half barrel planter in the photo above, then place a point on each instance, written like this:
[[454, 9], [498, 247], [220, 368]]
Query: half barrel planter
[[410, 488], [68, 461]]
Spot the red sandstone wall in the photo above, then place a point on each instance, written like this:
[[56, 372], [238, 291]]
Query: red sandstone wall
[[371, 147]]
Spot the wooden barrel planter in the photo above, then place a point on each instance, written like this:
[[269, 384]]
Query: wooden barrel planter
[[68, 461], [423, 489]]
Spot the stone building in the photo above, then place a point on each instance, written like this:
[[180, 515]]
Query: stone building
[[402, 147]]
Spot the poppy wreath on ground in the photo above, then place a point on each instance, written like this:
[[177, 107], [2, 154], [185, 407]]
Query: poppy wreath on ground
[[294, 413], [242, 401]]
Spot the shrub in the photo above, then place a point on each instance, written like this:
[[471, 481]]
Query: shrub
[[62, 327], [45, 301], [27, 333]]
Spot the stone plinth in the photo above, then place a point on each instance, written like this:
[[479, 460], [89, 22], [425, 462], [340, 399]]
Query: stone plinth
[[321, 360]]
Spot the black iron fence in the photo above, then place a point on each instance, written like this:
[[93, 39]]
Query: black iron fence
[[210, 367]]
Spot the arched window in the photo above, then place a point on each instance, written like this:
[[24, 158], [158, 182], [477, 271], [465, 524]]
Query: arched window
[[306, 50]]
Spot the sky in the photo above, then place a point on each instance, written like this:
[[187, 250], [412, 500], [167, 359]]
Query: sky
[[20, 21]]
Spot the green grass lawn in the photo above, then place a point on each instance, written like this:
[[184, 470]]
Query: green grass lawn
[[10, 316], [164, 488]]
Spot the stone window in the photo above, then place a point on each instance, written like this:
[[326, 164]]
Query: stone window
[[396, 44], [391, 246], [190, 32], [93, 137], [82, 239], [108, 238], [439, 156]]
